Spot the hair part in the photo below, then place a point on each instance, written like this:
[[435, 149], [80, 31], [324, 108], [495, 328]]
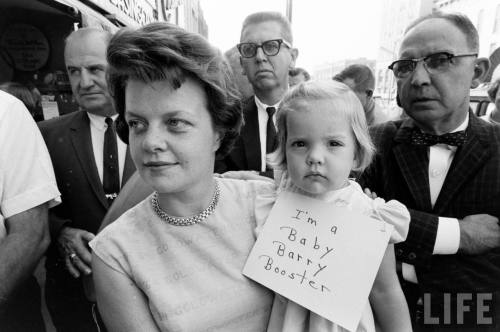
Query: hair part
[[344, 103], [362, 76], [260, 17], [460, 21], [166, 52]]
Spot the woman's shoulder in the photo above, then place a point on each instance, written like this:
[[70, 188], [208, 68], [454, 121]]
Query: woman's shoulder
[[247, 188], [128, 223]]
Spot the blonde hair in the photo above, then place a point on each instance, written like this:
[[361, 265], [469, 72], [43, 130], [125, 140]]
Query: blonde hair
[[344, 103]]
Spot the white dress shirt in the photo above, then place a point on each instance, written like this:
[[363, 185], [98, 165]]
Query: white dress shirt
[[263, 116], [98, 128], [448, 231]]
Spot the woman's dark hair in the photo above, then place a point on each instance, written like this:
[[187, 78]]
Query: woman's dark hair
[[166, 52]]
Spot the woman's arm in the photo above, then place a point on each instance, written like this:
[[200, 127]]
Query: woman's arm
[[122, 305], [387, 299]]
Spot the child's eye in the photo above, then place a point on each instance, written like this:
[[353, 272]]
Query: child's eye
[[298, 144], [334, 143]]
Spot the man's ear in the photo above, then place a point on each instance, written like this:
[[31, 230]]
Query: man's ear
[[480, 70]]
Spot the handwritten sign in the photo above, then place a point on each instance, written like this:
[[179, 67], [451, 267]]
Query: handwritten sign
[[321, 256]]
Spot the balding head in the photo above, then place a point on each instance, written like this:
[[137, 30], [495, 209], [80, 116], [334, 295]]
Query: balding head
[[85, 58]]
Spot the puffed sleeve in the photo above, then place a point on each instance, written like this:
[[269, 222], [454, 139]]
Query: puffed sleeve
[[394, 213]]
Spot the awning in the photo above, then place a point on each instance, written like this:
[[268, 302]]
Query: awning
[[90, 17]]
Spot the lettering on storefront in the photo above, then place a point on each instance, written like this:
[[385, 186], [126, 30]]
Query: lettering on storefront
[[140, 11]]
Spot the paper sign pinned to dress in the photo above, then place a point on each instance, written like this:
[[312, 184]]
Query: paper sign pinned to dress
[[319, 255]]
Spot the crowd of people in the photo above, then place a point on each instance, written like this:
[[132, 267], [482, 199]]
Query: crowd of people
[[148, 200]]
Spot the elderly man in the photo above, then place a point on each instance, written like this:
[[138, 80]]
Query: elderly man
[[27, 189], [361, 80], [266, 56], [91, 165], [443, 163]]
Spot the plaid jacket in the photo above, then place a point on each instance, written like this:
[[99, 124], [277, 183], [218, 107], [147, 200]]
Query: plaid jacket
[[472, 186]]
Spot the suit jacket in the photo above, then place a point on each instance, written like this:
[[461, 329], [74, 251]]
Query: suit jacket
[[472, 186], [245, 154], [84, 202]]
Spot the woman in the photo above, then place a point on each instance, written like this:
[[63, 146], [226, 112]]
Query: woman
[[174, 261]]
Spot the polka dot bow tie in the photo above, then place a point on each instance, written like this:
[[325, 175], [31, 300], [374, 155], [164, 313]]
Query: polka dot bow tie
[[420, 138]]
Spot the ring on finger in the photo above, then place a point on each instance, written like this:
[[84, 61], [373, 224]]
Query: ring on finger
[[72, 256]]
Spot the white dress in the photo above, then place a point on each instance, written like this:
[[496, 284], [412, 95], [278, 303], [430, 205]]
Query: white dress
[[288, 316]]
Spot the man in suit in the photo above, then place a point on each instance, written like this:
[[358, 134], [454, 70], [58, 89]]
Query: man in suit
[[266, 56], [443, 164], [91, 165]]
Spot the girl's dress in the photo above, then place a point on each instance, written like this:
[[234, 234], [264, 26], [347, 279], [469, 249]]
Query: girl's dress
[[191, 275], [288, 316]]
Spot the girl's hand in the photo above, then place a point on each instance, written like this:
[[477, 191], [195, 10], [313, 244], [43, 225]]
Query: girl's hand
[[370, 194]]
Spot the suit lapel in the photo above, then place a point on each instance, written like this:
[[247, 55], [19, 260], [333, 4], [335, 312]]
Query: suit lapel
[[250, 136], [82, 143], [128, 168], [468, 159], [413, 161]]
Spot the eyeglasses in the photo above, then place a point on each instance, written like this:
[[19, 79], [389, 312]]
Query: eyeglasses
[[269, 47], [434, 64]]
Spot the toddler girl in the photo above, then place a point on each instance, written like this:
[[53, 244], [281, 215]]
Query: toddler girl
[[323, 138]]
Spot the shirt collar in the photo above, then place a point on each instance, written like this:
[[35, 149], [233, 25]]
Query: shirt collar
[[98, 121], [261, 105]]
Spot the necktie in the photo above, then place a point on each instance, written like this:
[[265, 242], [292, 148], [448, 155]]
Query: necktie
[[271, 139], [420, 138], [111, 176]]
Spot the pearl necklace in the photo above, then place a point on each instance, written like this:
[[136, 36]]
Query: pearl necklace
[[186, 221]]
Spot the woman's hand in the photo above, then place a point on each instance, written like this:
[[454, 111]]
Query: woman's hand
[[370, 194]]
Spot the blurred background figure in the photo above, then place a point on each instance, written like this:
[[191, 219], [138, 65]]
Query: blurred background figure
[[233, 57], [361, 80], [30, 98], [297, 75], [494, 94]]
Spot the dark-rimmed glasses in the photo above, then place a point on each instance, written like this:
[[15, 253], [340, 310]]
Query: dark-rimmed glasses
[[434, 63], [269, 47]]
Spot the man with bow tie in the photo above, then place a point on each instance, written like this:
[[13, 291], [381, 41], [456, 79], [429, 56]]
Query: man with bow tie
[[443, 164]]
